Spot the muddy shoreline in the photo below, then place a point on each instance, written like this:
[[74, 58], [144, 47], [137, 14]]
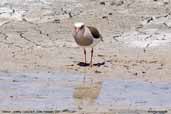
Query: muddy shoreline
[[136, 42], [36, 39]]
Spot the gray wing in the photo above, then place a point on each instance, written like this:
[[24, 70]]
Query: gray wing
[[95, 32]]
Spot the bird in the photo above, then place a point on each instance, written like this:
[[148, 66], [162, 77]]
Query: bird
[[86, 37]]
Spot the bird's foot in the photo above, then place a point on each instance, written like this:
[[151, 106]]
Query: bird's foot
[[91, 65], [83, 64]]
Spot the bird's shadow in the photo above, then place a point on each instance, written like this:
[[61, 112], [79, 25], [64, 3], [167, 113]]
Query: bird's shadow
[[83, 64]]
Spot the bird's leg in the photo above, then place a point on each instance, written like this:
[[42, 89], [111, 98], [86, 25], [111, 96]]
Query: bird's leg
[[91, 62], [85, 55]]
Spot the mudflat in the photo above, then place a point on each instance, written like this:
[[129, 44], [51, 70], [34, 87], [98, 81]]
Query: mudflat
[[36, 37]]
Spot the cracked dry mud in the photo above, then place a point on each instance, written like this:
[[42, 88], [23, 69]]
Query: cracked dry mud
[[36, 36], [136, 39]]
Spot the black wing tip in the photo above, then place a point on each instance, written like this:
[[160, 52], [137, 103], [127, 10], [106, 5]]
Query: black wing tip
[[101, 38]]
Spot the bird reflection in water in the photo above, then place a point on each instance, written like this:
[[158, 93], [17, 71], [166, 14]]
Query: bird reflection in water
[[87, 93]]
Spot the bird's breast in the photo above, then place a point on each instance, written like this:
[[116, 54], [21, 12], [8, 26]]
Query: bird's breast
[[83, 40]]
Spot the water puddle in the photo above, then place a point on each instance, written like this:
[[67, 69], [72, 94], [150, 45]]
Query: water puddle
[[37, 91], [41, 91], [135, 94]]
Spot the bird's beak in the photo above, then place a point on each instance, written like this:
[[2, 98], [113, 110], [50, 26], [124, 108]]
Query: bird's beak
[[76, 30]]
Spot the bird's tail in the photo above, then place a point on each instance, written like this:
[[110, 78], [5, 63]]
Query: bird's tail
[[101, 38]]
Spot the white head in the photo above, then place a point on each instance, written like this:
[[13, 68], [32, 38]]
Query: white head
[[79, 27]]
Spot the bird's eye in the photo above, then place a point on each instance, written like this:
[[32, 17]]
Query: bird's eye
[[82, 27]]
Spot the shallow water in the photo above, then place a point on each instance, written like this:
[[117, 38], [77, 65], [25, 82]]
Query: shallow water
[[36, 91], [43, 91], [135, 94]]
